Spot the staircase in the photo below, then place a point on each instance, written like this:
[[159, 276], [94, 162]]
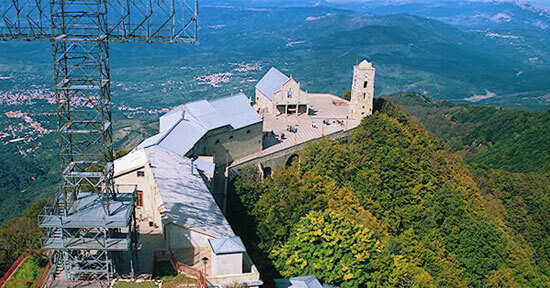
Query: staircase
[[188, 271], [58, 271]]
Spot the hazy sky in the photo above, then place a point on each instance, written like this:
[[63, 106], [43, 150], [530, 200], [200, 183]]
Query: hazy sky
[[542, 3]]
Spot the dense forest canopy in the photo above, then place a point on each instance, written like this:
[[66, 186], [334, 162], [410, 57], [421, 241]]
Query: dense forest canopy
[[508, 139], [393, 206]]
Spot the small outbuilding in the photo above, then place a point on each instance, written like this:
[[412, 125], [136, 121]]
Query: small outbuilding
[[301, 282]]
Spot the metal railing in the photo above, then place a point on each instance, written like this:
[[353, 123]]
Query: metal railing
[[12, 269]]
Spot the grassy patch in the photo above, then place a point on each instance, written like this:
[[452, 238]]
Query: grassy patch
[[30, 270], [177, 281], [133, 284]]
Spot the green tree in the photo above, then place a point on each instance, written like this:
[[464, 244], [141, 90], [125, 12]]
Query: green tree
[[347, 95], [333, 248], [36, 208], [120, 153], [447, 224], [286, 197], [502, 278], [248, 187], [16, 237], [407, 274]]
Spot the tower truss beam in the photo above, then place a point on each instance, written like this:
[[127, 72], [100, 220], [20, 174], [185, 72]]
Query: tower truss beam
[[80, 32], [160, 21]]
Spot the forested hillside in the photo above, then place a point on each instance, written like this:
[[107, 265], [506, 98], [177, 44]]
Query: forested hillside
[[24, 180], [513, 140], [394, 207]]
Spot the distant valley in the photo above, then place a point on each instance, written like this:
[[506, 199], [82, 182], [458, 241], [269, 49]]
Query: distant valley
[[484, 63]]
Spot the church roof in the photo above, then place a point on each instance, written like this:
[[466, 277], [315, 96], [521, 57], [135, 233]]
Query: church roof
[[185, 125], [236, 110], [272, 82], [229, 245]]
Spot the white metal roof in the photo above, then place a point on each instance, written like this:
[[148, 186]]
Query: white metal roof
[[183, 137], [130, 161], [272, 82], [229, 245], [186, 199], [298, 282], [205, 114], [236, 110], [183, 126], [205, 165], [171, 118]]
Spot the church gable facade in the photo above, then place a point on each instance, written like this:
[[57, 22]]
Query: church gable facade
[[278, 94]]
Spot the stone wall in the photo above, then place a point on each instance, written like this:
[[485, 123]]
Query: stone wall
[[362, 90], [263, 104], [227, 145]]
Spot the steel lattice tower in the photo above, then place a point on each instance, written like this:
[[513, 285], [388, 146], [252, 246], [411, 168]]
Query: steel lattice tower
[[91, 219]]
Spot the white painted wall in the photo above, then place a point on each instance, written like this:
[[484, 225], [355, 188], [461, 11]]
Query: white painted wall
[[227, 264], [152, 202], [179, 237]]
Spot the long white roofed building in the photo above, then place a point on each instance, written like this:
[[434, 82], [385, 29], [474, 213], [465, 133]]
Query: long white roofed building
[[176, 210]]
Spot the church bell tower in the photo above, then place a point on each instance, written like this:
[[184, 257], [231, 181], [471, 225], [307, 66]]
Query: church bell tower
[[362, 90]]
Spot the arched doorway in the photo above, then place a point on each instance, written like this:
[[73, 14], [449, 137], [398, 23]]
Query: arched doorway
[[292, 158]]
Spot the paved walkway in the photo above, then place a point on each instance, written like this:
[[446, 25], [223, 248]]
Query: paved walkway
[[328, 115]]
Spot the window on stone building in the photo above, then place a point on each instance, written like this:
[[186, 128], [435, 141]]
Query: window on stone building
[[230, 137], [140, 173], [217, 141], [247, 131], [139, 199], [289, 93], [365, 84], [364, 95]]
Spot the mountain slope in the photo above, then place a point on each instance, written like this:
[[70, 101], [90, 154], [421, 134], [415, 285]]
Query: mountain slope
[[512, 140], [318, 45], [472, 14], [422, 206]]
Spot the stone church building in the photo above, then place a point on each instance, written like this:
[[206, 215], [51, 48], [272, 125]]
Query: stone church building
[[278, 94]]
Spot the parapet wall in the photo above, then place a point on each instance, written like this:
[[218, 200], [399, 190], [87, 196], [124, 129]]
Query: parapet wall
[[280, 157]]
